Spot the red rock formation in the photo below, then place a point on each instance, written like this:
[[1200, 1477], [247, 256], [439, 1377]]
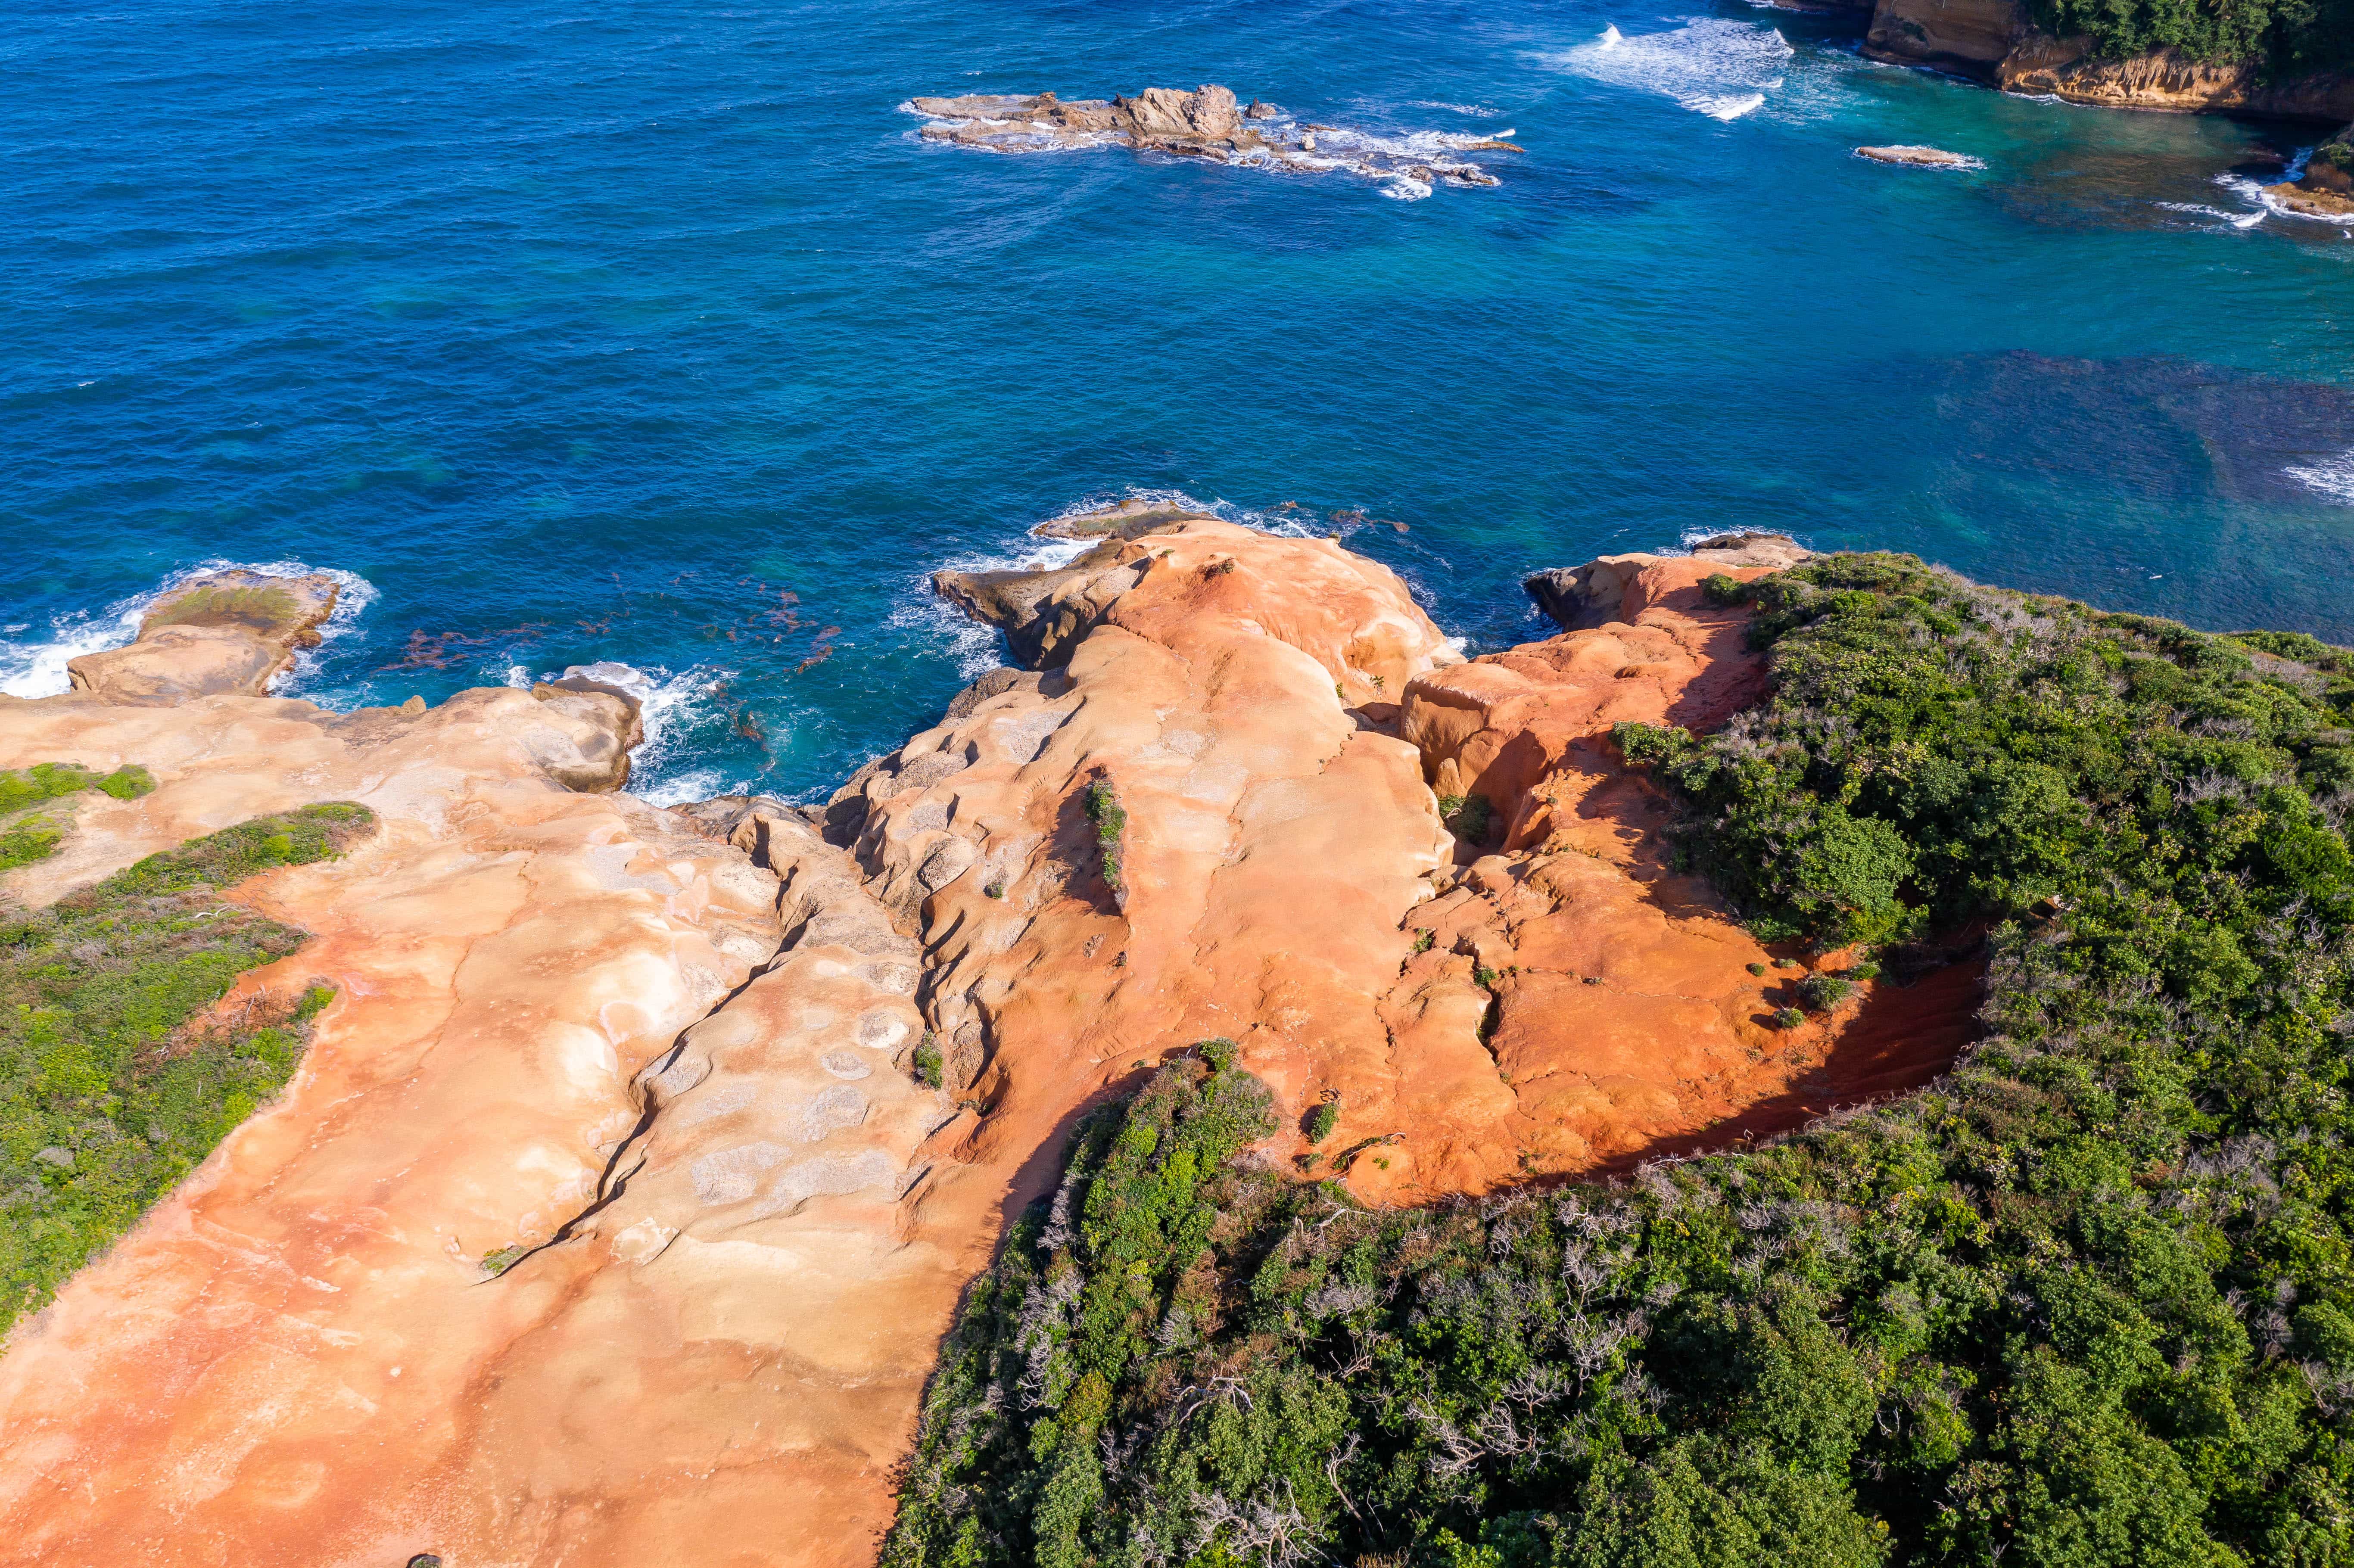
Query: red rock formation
[[674, 1057]]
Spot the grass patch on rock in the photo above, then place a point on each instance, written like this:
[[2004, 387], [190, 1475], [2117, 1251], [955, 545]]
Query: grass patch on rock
[[28, 834], [111, 1089]]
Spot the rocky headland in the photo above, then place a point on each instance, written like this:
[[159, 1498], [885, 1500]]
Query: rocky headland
[[632, 1177], [1997, 41], [1207, 122]]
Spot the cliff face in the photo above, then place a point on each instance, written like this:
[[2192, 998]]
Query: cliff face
[[735, 1111], [1994, 41]]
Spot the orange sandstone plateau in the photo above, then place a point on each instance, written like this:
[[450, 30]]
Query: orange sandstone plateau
[[671, 1054]]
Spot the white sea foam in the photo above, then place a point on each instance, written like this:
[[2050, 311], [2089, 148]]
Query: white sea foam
[[2331, 478], [2200, 209], [1711, 65], [682, 718], [37, 668], [1478, 111]]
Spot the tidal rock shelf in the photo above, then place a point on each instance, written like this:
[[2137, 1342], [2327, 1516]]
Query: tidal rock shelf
[[1207, 124]]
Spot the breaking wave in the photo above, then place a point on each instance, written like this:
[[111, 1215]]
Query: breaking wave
[[1711, 65], [2332, 479], [683, 720]]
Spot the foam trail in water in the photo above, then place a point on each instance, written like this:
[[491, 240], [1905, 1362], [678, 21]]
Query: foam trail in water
[[1711, 65], [2332, 478], [37, 669]]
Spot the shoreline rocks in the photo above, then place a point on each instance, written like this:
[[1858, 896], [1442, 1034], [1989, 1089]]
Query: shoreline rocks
[[1578, 599], [1996, 42]]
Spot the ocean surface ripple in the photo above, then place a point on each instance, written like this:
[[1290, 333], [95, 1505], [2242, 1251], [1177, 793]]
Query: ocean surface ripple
[[660, 335]]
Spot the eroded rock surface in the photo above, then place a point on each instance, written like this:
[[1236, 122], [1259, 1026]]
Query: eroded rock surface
[[1596, 593], [1622, 1015]]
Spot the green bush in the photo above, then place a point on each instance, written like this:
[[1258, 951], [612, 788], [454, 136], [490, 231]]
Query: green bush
[[108, 1095], [1820, 993], [1323, 1120], [1104, 809], [1724, 590], [930, 1069], [2087, 1300], [1789, 1017], [1470, 817]]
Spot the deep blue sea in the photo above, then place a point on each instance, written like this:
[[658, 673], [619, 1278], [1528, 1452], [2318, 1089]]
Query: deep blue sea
[[588, 329]]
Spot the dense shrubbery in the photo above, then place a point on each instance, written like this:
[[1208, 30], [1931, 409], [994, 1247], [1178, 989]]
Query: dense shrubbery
[[2286, 37], [106, 1098], [2089, 1301]]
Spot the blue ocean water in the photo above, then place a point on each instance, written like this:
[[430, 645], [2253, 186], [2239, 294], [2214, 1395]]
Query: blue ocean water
[[582, 329]]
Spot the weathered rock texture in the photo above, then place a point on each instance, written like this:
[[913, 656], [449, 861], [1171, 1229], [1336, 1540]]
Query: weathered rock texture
[[1594, 594], [223, 631], [1203, 123], [1994, 41], [679, 1066], [1623, 1020]]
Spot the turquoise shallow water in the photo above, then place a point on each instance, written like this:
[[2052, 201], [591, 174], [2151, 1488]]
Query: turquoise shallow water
[[600, 330]]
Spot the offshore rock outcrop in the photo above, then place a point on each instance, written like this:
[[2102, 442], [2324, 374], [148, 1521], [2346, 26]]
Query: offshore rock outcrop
[[1997, 41], [1205, 124], [223, 631]]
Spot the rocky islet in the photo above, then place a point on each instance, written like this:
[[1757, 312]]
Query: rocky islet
[[1207, 122]]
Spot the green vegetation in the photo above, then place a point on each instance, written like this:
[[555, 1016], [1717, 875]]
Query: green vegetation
[[1323, 1120], [929, 1068], [1789, 1017], [25, 835], [263, 610], [497, 1263], [1104, 809], [2089, 1300], [111, 1089], [1820, 993], [1468, 817], [1724, 590], [2284, 38]]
